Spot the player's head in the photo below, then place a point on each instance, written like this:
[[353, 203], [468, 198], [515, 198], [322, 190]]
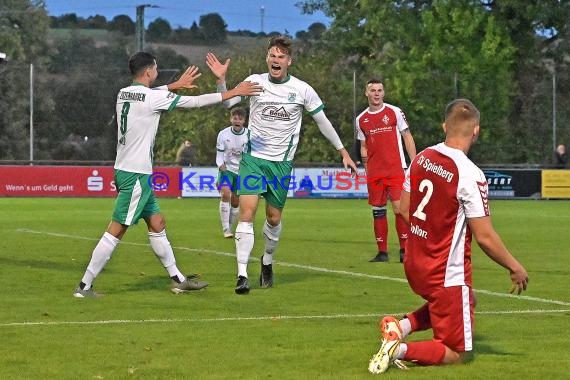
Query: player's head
[[461, 120], [237, 118], [279, 57], [374, 91], [143, 66]]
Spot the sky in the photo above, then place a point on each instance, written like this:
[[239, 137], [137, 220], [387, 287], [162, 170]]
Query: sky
[[278, 15]]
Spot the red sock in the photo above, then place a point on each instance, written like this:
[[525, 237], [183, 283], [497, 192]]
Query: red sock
[[402, 229], [425, 353], [420, 319], [381, 233]]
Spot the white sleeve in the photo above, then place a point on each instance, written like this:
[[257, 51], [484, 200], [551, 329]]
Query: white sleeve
[[327, 129], [359, 135], [163, 87], [220, 149], [402, 122], [219, 158], [229, 103], [473, 192], [197, 101]]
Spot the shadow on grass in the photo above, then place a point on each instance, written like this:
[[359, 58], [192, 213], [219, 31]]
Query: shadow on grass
[[39, 264], [334, 241], [480, 347], [148, 283]]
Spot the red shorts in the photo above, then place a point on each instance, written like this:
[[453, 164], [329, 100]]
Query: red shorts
[[451, 314], [380, 188], [451, 317]]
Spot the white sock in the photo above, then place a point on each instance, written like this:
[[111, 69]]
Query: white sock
[[234, 213], [99, 258], [163, 250], [406, 327], [402, 351], [225, 215], [244, 238], [271, 236]]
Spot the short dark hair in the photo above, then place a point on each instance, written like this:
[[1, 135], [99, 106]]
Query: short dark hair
[[282, 43], [237, 111], [140, 61], [374, 81]]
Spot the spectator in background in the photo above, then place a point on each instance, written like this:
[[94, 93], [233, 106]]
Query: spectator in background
[[185, 154], [560, 157]]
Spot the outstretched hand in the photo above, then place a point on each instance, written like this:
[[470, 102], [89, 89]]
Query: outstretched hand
[[216, 67], [247, 88], [186, 80]]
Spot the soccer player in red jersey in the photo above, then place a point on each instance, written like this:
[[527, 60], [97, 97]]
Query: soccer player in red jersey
[[445, 201], [381, 128]]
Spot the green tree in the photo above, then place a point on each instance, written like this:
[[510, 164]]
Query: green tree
[[159, 30], [23, 27], [213, 28], [122, 24], [540, 31], [96, 22], [313, 33], [495, 52]]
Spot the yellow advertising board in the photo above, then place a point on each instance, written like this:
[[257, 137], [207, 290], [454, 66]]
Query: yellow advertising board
[[556, 183]]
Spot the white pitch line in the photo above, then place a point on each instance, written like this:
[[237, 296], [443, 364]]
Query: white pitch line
[[264, 318], [310, 267]]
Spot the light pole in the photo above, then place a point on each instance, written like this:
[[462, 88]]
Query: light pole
[[139, 26], [554, 143]]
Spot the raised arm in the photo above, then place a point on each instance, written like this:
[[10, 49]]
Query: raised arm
[[186, 80], [220, 70], [216, 67]]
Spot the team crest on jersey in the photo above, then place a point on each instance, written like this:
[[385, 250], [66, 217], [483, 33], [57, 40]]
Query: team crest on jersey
[[273, 113], [291, 97], [386, 119], [170, 95], [484, 191]]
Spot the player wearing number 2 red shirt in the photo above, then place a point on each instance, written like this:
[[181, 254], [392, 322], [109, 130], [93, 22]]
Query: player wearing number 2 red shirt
[[445, 202], [381, 128]]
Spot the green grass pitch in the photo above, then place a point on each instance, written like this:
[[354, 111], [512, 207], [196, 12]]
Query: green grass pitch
[[319, 321]]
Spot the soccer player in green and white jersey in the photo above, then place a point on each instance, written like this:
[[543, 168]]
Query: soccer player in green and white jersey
[[274, 126], [138, 113], [229, 148]]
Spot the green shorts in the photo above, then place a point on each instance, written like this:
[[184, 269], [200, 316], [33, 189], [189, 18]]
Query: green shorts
[[135, 200], [269, 179], [228, 179]]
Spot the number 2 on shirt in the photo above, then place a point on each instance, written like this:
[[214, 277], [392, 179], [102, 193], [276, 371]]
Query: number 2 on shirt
[[426, 185]]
